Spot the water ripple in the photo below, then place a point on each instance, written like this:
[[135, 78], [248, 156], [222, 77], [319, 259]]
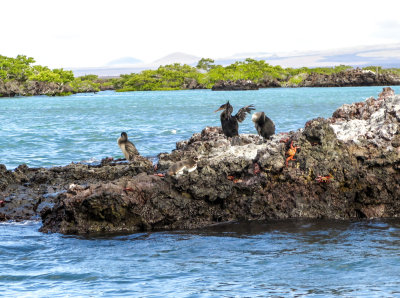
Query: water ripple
[[285, 258], [43, 131]]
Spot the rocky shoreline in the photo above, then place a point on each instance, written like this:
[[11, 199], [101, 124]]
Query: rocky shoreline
[[349, 78], [25, 191], [235, 85], [33, 88], [347, 166]]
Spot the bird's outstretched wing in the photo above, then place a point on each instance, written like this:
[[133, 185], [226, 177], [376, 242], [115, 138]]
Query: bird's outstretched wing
[[131, 149], [241, 115]]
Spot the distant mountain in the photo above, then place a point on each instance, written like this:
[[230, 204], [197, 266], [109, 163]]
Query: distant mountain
[[382, 55], [124, 61], [177, 58], [379, 55]]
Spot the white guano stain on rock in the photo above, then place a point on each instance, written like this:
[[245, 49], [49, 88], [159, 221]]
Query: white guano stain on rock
[[350, 130], [247, 151], [377, 121]]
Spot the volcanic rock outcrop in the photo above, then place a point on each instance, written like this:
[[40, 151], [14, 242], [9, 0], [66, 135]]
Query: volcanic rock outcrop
[[25, 192], [235, 85], [15, 88], [347, 166], [347, 78]]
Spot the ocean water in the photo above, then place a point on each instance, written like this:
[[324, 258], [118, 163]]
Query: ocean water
[[289, 258], [279, 258], [49, 131]]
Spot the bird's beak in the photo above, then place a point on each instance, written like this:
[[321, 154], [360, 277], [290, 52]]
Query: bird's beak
[[218, 110]]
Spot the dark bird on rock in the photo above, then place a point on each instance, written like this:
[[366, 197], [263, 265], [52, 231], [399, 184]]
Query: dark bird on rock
[[128, 149], [177, 168], [264, 126], [229, 123]]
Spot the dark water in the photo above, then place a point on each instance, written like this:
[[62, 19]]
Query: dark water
[[283, 258]]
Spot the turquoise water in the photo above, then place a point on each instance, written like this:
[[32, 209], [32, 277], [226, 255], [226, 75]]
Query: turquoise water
[[48, 131], [286, 258]]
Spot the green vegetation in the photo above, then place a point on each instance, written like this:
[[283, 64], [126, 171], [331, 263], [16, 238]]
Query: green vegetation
[[44, 74], [19, 76], [20, 69], [88, 83], [15, 69], [168, 77], [205, 64], [206, 74], [250, 69]]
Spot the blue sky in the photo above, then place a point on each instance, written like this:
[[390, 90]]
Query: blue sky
[[88, 33]]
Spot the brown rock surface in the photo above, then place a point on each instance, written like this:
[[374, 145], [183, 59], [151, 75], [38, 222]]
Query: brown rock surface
[[336, 174], [347, 166], [235, 85], [353, 77], [26, 191]]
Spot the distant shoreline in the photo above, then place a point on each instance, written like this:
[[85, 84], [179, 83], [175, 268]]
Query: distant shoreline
[[19, 77]]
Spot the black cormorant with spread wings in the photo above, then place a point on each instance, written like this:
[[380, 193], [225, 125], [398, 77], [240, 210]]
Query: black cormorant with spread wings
[[229, 123]]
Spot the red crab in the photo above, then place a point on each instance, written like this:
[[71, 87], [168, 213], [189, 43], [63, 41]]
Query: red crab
[[324, 179], [235, 180], [291, 152]]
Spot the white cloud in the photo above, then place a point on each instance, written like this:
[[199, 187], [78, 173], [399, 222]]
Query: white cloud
[[388, 29], [92, 33], [394, 53]]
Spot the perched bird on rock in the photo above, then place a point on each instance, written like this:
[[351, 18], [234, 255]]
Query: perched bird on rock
[[128, 149], [177, 168], [264, 126], [229, 123]]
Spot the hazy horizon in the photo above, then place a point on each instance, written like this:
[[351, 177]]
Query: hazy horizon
[[387, 56], [93, 33]]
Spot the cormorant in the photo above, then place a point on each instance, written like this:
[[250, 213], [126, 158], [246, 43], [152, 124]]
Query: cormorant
[[177, 168], [128, 149], [264, 126], [229, 123]]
